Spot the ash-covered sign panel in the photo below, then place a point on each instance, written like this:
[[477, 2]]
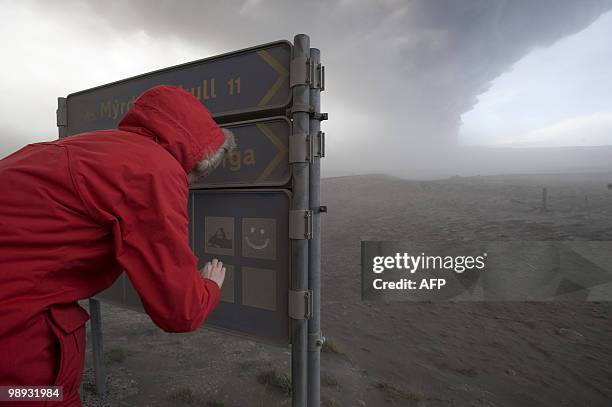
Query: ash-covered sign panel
[[238, 84], [248, 230], [260, 159], [256, 254]]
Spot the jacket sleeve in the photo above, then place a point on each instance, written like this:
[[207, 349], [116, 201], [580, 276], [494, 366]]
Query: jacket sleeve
[[148, 216], [152, 247]]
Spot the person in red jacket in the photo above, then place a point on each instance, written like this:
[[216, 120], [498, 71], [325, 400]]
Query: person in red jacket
[[76, 212]]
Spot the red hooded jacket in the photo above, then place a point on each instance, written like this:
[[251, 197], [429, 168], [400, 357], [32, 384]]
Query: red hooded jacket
[[76, 212]]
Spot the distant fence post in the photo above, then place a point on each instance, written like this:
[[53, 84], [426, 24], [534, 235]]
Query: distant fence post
[[588, 206], [544, 200]]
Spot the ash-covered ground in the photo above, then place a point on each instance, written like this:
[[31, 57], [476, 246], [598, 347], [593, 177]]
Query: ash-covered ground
[[394, 353]]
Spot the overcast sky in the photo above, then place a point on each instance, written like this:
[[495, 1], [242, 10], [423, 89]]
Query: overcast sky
[[554, 96], [405, 79]]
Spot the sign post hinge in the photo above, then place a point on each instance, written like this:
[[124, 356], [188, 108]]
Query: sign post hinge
[[300, 148], [319, 139], [300, 224], [300, 304], [318, 76]]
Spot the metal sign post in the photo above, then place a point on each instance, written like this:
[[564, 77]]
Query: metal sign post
[[258, 212], [300, 205], [317, 138], [97, 346]]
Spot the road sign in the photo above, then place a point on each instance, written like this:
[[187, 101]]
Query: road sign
[[254, 302], [239, 84], [248, 230], [261, 158]]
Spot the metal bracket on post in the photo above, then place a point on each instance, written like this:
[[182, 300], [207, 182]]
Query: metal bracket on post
[[301, 72], [315, 341], [319, 116], [318, 76], [319, 140], [300, 148], [300, 304], [322, 80], [300, 224], [300, 108]]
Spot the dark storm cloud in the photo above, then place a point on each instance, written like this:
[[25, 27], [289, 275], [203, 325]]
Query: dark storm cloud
[[400, 73]]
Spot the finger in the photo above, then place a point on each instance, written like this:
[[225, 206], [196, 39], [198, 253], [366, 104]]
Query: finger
[[214, 262], [223, 270]]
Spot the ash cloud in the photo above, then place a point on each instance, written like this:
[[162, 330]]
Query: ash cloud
[[399, 73]]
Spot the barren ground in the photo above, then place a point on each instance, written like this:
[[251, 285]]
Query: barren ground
[[400, 354]]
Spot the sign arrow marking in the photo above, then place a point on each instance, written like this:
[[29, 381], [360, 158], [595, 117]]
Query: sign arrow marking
[[283, 74], [282, 151]]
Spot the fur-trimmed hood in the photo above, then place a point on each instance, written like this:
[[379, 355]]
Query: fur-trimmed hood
[[178, 122]]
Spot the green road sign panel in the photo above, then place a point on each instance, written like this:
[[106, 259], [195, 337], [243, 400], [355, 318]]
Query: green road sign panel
[[238, 85], [260, 159], [248, 230]]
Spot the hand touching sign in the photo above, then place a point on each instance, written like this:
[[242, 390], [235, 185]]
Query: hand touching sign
[[214, 271]]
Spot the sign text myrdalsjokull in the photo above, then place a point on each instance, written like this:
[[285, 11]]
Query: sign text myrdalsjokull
[[233, 86]]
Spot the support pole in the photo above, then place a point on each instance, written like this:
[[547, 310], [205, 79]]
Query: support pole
[[299, 247], [62, 117], [315, 339], [96, 346]]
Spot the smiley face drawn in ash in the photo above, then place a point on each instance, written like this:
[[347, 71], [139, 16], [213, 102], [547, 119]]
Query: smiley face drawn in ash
[[257, 235], [259, 238]]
